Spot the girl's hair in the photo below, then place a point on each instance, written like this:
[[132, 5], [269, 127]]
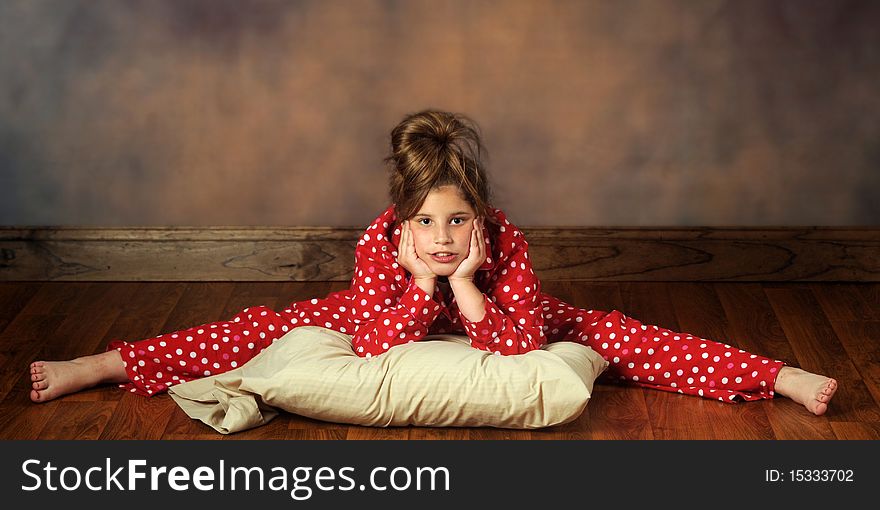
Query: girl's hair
[[430, 149]]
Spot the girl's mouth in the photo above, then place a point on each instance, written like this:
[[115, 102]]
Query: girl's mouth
[[443, 257]]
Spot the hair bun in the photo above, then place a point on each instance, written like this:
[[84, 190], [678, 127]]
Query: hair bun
[[432, 132], [430, 149], [442, 132]]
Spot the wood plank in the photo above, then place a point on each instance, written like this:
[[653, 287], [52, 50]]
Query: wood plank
[[790, 421], [339, 434], [305, 428], [138, 417], [13, 298], [672, 415], [614, 411], [292, 292], [76, 336], [23, 340], [152, 302], [497, 434], [229, 301], [146, 312], [245, 295], [251, 294], [181, 426], [749, 320], [590, 295], [142, 317], [178, 254], [752, 322], [92, 310], [542, 434], [752, 326], [299, 422], [438, 433], [69, 338], [871, 294], [103, 304], [856, 431], [55, 298], [22, 419], [359, 433], [852, 310], [845, 301], [563, 290], [78, 420], [819, 350], [862, 343], [326, 253], [276, 429], [699, 312], [200, 303]]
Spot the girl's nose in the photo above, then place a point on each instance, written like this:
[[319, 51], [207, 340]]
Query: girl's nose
[[442, 237]]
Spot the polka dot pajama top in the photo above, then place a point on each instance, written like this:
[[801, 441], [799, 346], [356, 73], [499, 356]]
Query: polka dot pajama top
[[383, 308]]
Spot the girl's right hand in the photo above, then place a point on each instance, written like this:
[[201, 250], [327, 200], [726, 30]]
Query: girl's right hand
[[407, 257]]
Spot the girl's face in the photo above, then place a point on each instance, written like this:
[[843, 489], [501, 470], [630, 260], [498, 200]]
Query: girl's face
[[443, 226]]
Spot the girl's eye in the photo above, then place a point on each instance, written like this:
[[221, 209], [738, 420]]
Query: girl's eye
[[426, 221]]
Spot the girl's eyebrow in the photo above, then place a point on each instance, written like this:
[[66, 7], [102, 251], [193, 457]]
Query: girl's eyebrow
[[458, 213]]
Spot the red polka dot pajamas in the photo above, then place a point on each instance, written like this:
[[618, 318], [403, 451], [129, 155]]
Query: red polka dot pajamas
[[383, 308]]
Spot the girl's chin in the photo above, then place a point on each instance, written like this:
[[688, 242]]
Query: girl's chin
[[443, 269]]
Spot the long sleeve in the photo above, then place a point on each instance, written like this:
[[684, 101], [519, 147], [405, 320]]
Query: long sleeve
[[387, 309], [513, 323]]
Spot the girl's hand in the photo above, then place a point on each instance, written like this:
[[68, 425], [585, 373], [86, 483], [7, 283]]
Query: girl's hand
[[476, 255], [407, 257]]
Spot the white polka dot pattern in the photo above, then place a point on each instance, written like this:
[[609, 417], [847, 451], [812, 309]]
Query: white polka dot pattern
[[383, 308]]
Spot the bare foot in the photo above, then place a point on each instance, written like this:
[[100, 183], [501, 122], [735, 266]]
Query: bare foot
[[52, 379], [812, 390]]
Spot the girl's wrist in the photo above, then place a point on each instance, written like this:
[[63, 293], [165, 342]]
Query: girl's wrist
[[425, 283]]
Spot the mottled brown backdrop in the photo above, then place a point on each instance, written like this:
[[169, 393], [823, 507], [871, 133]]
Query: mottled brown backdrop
[[223, 112]]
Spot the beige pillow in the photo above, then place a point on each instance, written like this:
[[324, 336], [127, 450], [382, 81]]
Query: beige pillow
[[440, 381]]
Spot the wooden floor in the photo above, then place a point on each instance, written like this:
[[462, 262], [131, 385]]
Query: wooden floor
[[823, 327]]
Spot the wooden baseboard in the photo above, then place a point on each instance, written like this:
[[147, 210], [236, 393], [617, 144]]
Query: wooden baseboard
[[327, 254]]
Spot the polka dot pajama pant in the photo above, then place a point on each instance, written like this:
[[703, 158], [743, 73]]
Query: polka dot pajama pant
[[156, 363], [658, 358], [637, 353]]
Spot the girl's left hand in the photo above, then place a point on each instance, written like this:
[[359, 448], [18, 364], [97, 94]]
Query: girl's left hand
[[476, 254]]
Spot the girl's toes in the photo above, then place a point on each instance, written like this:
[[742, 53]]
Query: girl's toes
[[830, 388], [41, 385], [35, 395], [38, 376]]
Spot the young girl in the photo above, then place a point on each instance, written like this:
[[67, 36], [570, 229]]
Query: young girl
[[440, 259]]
